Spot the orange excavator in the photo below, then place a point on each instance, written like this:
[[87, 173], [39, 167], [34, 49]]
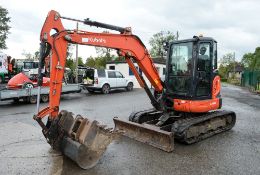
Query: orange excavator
[[185, 106]]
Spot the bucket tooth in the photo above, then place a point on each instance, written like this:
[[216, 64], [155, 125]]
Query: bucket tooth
[[82, 140], [146, 133]]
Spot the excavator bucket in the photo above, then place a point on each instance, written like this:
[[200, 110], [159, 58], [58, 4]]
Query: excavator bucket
[[82, 140], [148, 134]]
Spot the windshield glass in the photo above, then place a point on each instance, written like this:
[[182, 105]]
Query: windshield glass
[[180, 68], [181, 55]]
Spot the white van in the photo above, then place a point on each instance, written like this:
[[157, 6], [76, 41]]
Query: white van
[[3, 67], [30, 68], [104, 80]]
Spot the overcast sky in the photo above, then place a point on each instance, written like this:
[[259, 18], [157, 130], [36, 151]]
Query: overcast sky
[[234, 24]]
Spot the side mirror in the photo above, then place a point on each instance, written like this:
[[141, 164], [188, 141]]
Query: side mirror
[[215, 71], [166, 46]]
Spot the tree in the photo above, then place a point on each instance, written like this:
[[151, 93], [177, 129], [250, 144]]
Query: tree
[[36, 55], [257, 58], [70, 63], [248, 61], [157, 42], [103, 52], [118, 58], [252, 60], [223, 71], [27, 55], [227, 64], [4, 27], [30, 56], [80, 61], [70, 50], [98, 62], [227, 59], [91, 62]]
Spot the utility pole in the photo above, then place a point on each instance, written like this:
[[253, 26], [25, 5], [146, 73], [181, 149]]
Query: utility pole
[[77, 60], [234, 57]]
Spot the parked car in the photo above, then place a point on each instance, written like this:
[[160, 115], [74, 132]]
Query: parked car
[[105, 80]]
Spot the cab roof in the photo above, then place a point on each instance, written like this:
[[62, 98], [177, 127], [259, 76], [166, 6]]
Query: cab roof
[[195, 38]]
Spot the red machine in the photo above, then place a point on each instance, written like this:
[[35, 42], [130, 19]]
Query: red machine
[[185, 105], [21, 81]]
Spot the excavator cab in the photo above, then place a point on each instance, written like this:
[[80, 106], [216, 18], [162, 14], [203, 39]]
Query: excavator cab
[[191, 68], [191, 64]]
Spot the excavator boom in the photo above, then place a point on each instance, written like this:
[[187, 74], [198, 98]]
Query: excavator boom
[[83, 140]]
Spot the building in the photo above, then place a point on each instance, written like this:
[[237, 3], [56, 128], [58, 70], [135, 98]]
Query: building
[[236, 72], [122, 66]]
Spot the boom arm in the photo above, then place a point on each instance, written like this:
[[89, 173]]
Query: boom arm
[[128, 45]]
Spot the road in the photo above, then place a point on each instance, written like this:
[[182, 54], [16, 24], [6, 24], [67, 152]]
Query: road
[[23, 149]]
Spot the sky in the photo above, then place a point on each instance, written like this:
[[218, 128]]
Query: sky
[[234, 24]]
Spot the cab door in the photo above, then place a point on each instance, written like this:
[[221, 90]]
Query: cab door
[[204, 71]]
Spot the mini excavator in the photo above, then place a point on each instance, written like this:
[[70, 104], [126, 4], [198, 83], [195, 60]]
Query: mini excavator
[[186, 105]]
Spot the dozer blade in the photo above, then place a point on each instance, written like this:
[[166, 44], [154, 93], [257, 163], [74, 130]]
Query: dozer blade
[[146, 133], [82, 140]]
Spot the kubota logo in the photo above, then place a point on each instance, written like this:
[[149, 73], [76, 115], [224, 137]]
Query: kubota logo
[[93, 40]]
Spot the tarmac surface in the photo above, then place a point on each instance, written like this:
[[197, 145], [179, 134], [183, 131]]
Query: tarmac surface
[[23, 149]]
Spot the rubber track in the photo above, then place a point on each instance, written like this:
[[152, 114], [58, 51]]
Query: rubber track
[[182, 124]]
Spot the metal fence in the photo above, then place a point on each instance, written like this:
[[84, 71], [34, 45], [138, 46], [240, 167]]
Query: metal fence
[[251, 79]]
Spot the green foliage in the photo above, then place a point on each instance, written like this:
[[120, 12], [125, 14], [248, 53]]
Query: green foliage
[[234, 81], [30, 56], [119, 58], [252, 60], [4, 27], [227, 59], [70, 63], [104, 52], [223, 71], [91, 62], [257, 58], [97, 62], [80, 61], [227, 64], [101, 62], [247, 60], [157, 41]]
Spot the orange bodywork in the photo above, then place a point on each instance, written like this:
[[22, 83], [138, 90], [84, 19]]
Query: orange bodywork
[[20, 79], [216, 87], [193, 106], [200, 106], [128, 45]]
